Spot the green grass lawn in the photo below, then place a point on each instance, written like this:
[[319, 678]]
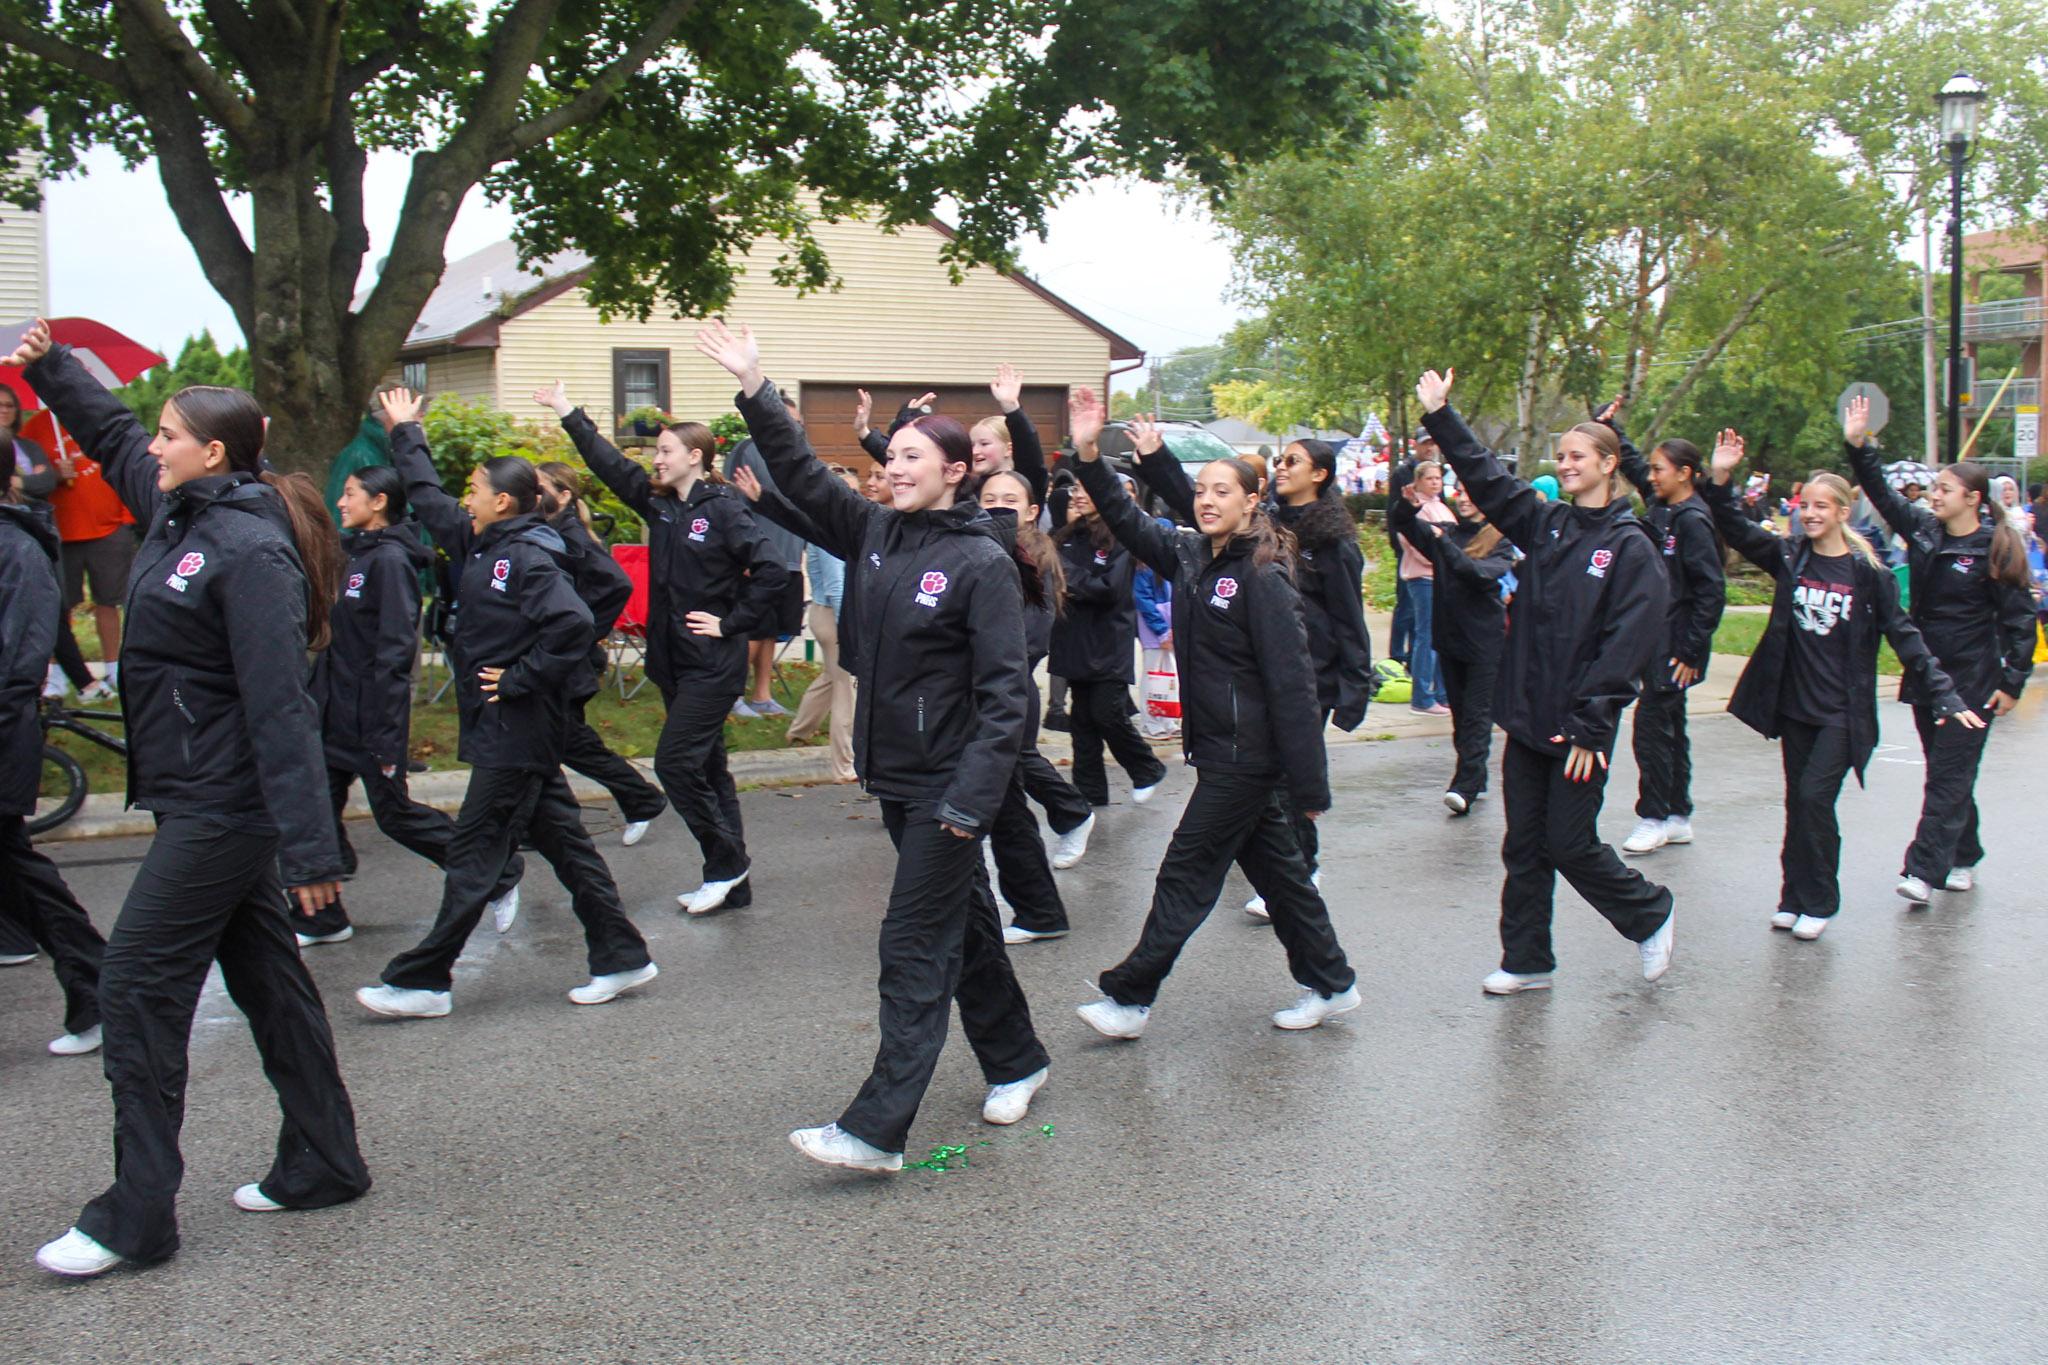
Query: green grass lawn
[[630, 728]]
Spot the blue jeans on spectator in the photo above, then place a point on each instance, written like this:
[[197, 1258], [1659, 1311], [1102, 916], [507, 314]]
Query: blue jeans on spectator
[[1429, 682], [1403, 632]]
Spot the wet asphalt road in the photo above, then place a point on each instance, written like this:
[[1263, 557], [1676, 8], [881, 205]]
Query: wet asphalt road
[[1784, 1152]]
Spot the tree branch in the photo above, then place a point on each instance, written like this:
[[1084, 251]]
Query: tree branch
[[57, 52], [1707, 357], [221, 99], [599, 92]]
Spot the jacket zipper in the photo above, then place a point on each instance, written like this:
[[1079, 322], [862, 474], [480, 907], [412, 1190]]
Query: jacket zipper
[[191, 720], [1233, 722], [920, 715]]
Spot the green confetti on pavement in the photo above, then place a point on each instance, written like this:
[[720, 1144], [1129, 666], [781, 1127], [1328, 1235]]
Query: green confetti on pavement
[[943, 1157]]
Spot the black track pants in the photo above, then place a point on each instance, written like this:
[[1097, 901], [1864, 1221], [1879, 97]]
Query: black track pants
[[1947, 836], [70, 657], [584, 751], [208, 891], [1244, 820], [1554, 826], [499, 803], [1468, 691], [1098, 714], [690, 761], [38, 907], [1663, 756], [402, 820], [1305, 834], [941, 942], [1022, 871], [1816, 761], [1065, 808]]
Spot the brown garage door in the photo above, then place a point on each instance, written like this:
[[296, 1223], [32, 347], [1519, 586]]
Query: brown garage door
[[828, 413]]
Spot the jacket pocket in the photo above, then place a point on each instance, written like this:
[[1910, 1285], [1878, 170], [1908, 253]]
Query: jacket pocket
[[191, 721]]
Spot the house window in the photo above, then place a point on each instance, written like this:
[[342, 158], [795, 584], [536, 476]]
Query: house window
[[414, 376], [639, 380]]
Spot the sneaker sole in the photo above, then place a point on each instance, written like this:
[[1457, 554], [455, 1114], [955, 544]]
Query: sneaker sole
[[883, 1163], [607, 999], [400, 1014], [1517, 989], [1033, 937], [1105, 1032]]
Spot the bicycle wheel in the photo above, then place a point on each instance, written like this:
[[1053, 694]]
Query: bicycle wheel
[[62, 791]]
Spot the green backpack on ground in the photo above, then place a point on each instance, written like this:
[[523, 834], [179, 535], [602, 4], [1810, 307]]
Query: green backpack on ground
[[1392, 682]]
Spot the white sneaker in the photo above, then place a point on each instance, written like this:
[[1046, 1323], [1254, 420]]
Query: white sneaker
[[1112, 1020], [401, 1003], [1810, 927], [1511, 983], [1256, 908], [603, 988], [1009, 1103], [77, 1255], [55, 685], [1013, 934], [1648, 837], [709, 896], [1456, 803], [341, 935], [1960, 879], [1657, 948], [1784, 919], [17, 959], [836, 1147], [1314, 1007], [77, 1044], [1140, 795], [252, 1199], [505, 910], [1911, 888], [1678, 829], [1073, 844], [97, 690], [635, 832]]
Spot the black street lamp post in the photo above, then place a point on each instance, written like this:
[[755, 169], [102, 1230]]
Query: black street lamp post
[[1959, 101]]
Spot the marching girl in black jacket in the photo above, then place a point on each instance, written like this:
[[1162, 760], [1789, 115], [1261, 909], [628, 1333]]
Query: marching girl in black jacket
[[362, 683], [1812, 681], [1683, 527], [1251, 729], [1022, 873], [1468, 626], [1328, 566], [522, 655], [34, 901], [230, 586], [712, 578], [1587, 617], [931, 624], [1973, 605], [1093, 642], [605, 588], [1010, 442]]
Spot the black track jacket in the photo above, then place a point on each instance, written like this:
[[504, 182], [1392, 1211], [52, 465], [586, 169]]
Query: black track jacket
[[519, 612], [931, 624], [603, 585], [1590, 611], [213, 659], [1095, 638], [1247, 687], [1684, 531], [704, 554], [30, 608], [1469, 620], [1980, 630], [1756, 702], [362, 682]]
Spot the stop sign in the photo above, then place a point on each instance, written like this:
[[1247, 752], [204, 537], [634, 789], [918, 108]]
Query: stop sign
[[1880, 406]]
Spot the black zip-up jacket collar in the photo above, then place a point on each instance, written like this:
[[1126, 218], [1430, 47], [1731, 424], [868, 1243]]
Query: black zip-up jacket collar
[[704, 554], [362, 681], [1247, 684], [30, 607], [1980, 630], [1094, 639], [931, 623], [1589, 614], [1758, 698], [213, 654], [518, 611], [1329, 574]]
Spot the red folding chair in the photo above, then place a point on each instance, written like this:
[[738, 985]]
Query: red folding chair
[[628, 643]]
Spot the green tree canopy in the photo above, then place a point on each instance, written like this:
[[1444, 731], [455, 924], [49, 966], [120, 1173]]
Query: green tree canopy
[[199, 362]]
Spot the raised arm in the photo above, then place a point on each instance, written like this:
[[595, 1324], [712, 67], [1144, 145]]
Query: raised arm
[[1507, 501], [1903, 517], [1747, 538], [1027, 453], [766, 500], [1163, 473], [840, 514], [101, 424], [1141, 535], [445, 518], [627, 480], [1634, 467]]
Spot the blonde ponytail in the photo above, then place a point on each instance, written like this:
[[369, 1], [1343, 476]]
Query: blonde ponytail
[[1838, 488]]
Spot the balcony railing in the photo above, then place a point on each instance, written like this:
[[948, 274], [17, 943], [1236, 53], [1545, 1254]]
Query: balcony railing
[[2021, 393], [2008, 318]]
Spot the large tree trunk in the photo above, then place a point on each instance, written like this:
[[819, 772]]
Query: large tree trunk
[[295, 344]]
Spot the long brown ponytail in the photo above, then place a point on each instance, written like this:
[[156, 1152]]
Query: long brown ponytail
[[1035, 547], [2008, 549]]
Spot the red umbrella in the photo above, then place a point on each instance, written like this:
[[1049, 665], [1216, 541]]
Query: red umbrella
[[114, 359]]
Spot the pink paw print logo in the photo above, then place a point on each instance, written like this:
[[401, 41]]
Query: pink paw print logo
[[699, 526], [191, 564], [933, 582], [1226, 587]]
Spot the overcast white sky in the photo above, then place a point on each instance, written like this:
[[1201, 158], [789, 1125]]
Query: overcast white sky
[[1123, 253]]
